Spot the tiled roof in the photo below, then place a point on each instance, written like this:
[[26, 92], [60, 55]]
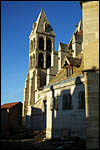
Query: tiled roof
[[74, 61], [64, 47], [80, 33], [61, 75], [9, 105], [78, 71]]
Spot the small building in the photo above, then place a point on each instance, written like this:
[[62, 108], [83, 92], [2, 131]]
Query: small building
[[11, 117]]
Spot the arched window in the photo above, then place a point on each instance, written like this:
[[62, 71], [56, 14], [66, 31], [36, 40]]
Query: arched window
[[40, 60], [48, 27], [67, 101], [30, 64], [56, 103], [41, 43], [34, 43], [48, 61], [48, 44]]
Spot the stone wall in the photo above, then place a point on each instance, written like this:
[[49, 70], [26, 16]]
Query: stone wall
[[92, 108], [42, 75], [72, 120], [15, 116], [79, 40], [90, 11], [4, 119], [38, 116]]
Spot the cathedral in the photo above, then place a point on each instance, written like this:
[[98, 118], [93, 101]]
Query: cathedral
[[55, 93]]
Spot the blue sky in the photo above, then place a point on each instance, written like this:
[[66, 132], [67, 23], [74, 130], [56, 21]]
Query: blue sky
[[17, 18]]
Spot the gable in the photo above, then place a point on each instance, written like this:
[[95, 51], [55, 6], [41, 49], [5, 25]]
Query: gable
[[42, 25], [70, 61]]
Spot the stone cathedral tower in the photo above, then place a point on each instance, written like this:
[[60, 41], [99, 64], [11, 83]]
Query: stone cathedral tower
[[41, 57]]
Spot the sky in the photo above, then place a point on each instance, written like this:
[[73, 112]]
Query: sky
[[17, 18]]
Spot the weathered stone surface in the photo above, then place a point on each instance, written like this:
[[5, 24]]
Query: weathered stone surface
[[90, 11]]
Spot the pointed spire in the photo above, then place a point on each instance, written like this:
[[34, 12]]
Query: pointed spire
[[42, 18], [42, 10], [39, 15]]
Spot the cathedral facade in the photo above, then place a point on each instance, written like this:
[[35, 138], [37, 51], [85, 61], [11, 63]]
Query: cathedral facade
[[55, 93], [49, 100]]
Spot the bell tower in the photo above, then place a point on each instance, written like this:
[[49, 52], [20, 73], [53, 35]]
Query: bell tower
[[42, 40], [41, 57]]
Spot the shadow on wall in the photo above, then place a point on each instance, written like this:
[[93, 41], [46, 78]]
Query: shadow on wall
[[92, 104], [37, 120], [92, 82], [68, 112], [42, 75]]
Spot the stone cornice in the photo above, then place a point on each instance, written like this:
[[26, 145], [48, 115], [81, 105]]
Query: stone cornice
[[45, 34], [83, 2], [88, 70]]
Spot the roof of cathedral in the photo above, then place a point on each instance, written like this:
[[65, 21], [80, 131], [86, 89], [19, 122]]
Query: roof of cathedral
[[41, 20], [9, 105], [80, 33], [61, 75], [71, 61], [63, 47]]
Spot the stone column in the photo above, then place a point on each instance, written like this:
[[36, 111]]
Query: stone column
[[37, 84], [36, 50], [90, 11], [36, 58], [53, 44], [30, 91], [23, 108], [37, 79], [36, 41], [25, 99], [52, 52], [25, 90], [74, 46], [50, 114], [92, 108], [33, 61], [28, 114], [44, 56], [45, 43], [52, 59]]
